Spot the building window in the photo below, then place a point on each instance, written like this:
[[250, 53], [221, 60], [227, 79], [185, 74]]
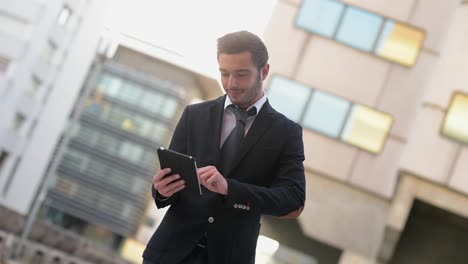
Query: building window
[[330, 115], [131, 152], [18, 122], [131, 93], [64, 16], [169, 108], [326, 114], [321, 17], [367, 128], [152, 102], [455, 125], [50, 52], [32, 128], [288, 97], [34, 85], [361, 29], [144, 98], [399, 43], [3, 158], [11, 175], [4, 63]]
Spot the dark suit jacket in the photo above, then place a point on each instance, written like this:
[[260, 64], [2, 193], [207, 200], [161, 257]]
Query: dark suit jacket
[[267, 178]]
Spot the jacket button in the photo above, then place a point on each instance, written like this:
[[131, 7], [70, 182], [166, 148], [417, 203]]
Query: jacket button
[[210, 219]]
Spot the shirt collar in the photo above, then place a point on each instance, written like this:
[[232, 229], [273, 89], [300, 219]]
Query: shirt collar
[[257, 104]]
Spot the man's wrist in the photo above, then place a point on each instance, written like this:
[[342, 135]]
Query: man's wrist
[[161, 197]]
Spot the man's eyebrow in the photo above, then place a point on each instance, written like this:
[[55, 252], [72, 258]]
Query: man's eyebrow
[[237, 71]]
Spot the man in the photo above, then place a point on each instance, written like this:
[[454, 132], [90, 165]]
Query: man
[[265, 175]]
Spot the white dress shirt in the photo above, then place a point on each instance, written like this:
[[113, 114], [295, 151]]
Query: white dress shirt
[[229, 119]]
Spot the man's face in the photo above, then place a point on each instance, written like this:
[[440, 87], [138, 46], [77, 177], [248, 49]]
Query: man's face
[[241, 79]]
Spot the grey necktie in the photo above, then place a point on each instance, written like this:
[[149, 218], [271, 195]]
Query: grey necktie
[[233, 142]]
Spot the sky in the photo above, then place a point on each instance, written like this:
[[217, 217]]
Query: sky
[[188, 27]]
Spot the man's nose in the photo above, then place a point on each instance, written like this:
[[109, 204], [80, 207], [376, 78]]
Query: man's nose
[[232, 82]]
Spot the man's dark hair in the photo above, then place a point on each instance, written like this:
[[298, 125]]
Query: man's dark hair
[[241, 41]]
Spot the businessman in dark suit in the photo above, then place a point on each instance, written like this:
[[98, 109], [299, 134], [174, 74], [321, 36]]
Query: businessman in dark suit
[[259, 172]]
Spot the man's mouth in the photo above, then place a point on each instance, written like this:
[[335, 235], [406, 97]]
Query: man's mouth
[[235, 91]]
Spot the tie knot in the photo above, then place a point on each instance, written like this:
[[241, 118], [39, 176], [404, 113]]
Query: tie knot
[[242, 114]]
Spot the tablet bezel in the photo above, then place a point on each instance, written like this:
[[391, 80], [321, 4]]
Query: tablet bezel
[[184, 165]]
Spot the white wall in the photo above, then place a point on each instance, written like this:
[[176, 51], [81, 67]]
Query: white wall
[[54, 115]]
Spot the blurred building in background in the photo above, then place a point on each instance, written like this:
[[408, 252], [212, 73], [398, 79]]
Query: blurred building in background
[[128, 107], [381, 90], [46, 48]]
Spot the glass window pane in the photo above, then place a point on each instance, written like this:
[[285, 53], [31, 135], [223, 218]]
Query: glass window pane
[[130, 151], [112, 85], [152, 102], [326, 114], [160, 132], [320, 16], [288, 97], [400, 43], [455, 124], [64, 16], [359, 28], [144, 127], [50, 53], [367, 128], [170, 107], [130, 92]]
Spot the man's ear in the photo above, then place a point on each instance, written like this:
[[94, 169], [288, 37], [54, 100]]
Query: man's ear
[[265, 70]]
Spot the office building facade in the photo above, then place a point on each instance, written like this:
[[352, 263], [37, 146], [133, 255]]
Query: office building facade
[[46, 48], [381, 92]]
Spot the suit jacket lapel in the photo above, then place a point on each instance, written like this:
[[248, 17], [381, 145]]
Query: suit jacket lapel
[[261, 124], [215, 121]]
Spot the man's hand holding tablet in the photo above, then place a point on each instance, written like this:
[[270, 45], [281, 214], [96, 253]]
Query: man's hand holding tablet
[[178, 171]]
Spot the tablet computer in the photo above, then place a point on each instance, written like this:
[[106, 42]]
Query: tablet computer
[[184, 165]]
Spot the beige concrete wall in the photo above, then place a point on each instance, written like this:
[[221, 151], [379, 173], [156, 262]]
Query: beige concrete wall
[[424, 15], [430, 154], [343, 71], [284, 40], [344, 217], [328, 156], [397, 9], [427, 153]]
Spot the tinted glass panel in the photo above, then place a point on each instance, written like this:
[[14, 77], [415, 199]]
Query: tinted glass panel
[[367, 128], [456, 121], [320, 16], [326, 113], [288, 97], [359, 29], [400, 43]]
